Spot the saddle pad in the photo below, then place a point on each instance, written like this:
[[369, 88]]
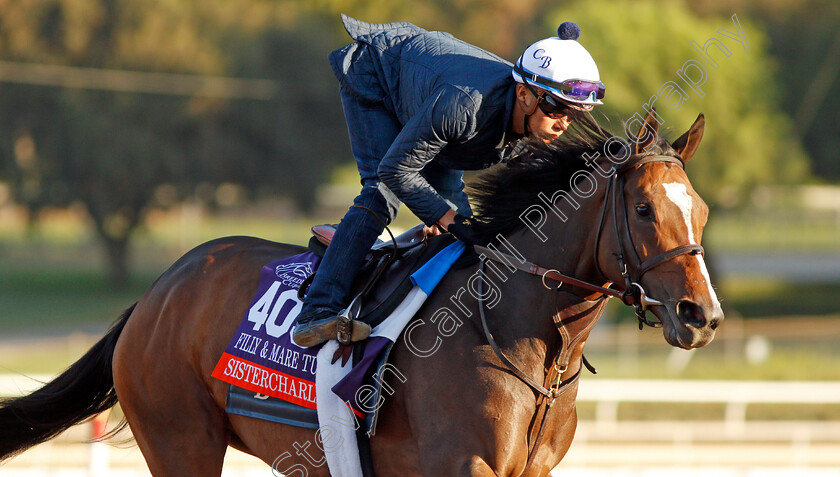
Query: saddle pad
[[270, 376], [247, 403], [261, 357]]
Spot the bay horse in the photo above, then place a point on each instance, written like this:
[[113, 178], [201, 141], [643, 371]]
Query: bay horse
[[489, 385]]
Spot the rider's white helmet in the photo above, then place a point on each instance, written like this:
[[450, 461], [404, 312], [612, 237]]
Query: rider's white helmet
[[563, 67]]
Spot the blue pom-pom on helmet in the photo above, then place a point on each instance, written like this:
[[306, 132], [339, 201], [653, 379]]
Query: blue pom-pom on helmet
[[561, 66], [568, 31]]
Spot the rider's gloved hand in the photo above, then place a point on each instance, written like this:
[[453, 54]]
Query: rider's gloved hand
[[464, 231]]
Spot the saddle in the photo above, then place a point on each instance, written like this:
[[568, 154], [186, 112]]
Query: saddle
[[409, 239], [385, 277]]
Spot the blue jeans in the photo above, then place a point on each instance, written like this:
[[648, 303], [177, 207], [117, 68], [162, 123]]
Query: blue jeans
[[372, 130]]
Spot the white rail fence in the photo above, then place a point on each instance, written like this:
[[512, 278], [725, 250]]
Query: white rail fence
[[13, 385], [608, 394]]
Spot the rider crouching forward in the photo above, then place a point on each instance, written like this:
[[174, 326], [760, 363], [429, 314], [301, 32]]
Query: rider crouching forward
[[421, 107]]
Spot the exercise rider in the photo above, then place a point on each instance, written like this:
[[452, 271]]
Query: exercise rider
[[421, 107]]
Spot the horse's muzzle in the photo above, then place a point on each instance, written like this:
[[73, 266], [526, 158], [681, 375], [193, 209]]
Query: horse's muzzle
[[693, 314], [687, 324]]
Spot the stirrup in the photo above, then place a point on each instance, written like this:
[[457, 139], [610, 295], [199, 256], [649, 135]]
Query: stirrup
[[349, 330]]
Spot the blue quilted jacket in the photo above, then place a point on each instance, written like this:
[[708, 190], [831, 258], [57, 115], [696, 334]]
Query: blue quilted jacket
[[453, 100]]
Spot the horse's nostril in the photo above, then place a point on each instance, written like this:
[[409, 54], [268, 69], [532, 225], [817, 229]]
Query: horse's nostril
[[714, 324], [691, 314]]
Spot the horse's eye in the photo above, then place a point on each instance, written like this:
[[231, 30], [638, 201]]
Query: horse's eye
[[643, 210]]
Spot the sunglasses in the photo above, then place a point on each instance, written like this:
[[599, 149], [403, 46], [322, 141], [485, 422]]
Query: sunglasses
[[554, 107]]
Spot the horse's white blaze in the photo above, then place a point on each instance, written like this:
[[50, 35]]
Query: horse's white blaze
[[678, 194]]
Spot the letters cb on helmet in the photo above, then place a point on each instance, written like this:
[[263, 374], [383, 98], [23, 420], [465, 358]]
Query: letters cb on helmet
[[563, 67]]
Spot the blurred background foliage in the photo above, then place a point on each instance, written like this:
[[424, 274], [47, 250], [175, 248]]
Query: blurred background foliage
[[233, 102], [641, 45]]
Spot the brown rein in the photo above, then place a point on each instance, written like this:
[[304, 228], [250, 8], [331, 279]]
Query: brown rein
[[553, 274]]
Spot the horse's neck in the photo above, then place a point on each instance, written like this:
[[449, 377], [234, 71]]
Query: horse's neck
[[570, 247], [525, 315], [526, 322]]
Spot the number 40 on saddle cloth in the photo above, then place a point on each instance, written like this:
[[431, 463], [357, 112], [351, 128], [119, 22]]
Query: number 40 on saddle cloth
[[261, 357]]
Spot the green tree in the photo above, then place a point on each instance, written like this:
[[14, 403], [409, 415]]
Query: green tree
[[804, 40], [641, 45], [499, 26], [110, 142]]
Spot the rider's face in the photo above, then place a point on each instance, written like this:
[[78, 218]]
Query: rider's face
[[541, 125], [547, 128]]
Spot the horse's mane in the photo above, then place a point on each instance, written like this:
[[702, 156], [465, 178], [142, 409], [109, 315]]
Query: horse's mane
[[503, 193]]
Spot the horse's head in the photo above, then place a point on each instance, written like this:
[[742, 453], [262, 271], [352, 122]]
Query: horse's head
[[647, 240], [659, 220]]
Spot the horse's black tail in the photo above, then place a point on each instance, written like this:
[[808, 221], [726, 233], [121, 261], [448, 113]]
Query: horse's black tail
[[84, 390]]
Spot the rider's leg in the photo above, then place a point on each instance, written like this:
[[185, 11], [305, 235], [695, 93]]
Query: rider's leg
[[372, 129], [353, 238]]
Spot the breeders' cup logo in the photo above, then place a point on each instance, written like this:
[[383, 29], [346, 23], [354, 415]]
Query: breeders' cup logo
[[293, 274], [538, 55]]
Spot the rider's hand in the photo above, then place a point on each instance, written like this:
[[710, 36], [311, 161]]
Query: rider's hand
[[433, 230], [464, 231]]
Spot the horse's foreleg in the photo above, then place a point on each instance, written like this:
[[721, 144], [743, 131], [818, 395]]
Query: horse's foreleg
[[476, 467]]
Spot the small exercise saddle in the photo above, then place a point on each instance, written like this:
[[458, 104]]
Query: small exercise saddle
[[385, 277]]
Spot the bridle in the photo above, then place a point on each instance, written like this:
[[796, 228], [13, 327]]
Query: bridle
[[633, 294]]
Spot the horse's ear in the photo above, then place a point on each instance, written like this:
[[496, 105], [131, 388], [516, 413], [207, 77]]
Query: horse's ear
[[687, 144], [649, 133]]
